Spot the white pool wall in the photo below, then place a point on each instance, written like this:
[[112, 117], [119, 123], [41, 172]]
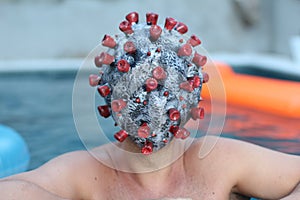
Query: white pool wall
[[40, 65], [32, 29]]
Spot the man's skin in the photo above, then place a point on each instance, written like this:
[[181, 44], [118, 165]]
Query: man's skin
[[232, 167]]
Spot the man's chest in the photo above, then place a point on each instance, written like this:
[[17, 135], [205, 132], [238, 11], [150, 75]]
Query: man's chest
[[189, 196], [186, 191]]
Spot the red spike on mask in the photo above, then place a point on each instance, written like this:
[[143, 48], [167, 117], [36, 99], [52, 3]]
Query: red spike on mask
[[123, 66], [133, 17], [151, 18], [144, 131], [186, 86], [205, 77], [108, 41], [199, 60], [94, 80], [148, 148], [197, 113], [104, 111], [185, 50], [194, 41], [184, 133], [104, 59], [104, 90], [151, 84], [181, 28], [159, 73], [195, 81], [174, 114], [121, 135], [129, 47], [155, 32], [118, 105], [125, 26], [170, 23]]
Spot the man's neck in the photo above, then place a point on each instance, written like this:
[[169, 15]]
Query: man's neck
[[139, 163], [159, 171], [156, 170]]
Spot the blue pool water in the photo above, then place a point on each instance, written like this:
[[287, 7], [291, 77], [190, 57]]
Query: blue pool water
[[39, 107]]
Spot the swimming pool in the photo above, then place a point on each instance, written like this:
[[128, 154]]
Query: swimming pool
[[39, 106]]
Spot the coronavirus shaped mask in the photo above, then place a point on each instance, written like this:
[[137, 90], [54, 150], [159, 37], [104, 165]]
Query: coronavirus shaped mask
[[151, 79]]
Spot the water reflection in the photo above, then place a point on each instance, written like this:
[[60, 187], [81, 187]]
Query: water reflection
[[271, 131]]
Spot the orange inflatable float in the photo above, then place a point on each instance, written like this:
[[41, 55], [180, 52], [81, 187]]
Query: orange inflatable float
[[280, 97]]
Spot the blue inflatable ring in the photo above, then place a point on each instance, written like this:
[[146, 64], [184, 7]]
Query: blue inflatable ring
[[14, 154]]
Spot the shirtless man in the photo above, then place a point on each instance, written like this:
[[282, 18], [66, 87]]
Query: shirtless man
[[232, 167], [151, 94]]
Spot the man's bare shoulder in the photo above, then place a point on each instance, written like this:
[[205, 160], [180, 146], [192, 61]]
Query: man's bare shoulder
[[74, 174], [244, 165], [216, 156], [227, 150], [74, 162], [211, 147]]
